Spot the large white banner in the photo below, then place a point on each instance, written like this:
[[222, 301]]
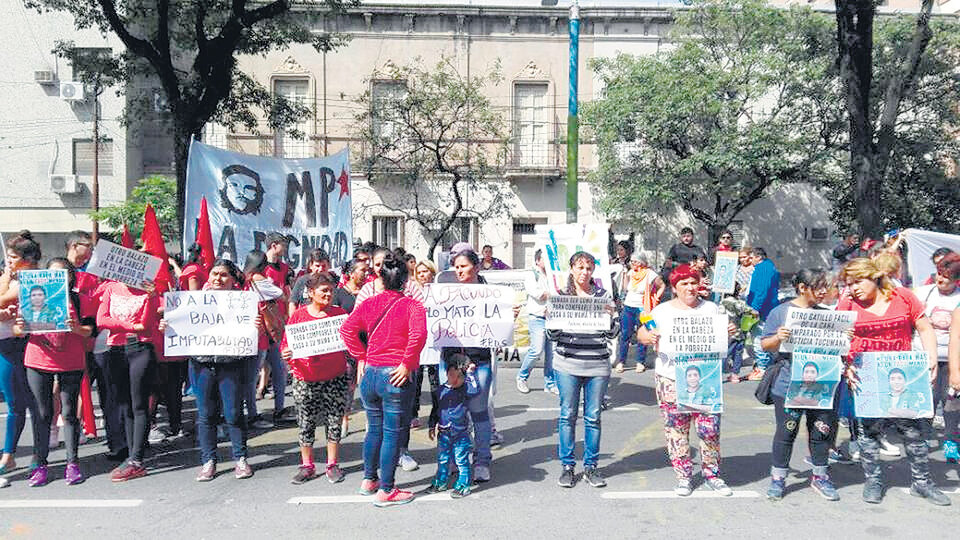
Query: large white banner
[[308, 200], [920, 247], [210, 323]]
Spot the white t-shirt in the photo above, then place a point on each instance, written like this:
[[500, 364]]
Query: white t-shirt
[[536, 285], [636, 288], [666, 366], [6, 327], [939, 309]]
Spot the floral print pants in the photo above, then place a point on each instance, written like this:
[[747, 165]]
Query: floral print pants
[[676, 428]]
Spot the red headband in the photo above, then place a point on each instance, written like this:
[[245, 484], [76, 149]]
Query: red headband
[[682, 272]]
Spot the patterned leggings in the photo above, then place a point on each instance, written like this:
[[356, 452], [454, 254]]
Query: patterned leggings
[[676, 428], [320, 403], [912, 430]]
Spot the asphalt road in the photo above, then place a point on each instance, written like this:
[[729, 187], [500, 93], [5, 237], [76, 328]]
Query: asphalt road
[[522, 500]]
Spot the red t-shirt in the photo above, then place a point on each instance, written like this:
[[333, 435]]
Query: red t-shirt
[[892, 331], [56, 352], [279, 273], [192, 270], [321, 367], [122, 307]]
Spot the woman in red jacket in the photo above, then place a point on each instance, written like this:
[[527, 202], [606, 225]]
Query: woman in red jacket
[[131, 316], [396, 328], [320, 383], [60, 355]]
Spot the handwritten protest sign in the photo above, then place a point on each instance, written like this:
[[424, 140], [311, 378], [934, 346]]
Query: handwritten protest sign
[[700, 382], [694, 333], [578, 313], [210, 323], [725, 272], [118, 263], [894, 385], [516, 280], [43, 300], [559, 242], [320, 336], [813, 380], [818, 330], [469, 315]]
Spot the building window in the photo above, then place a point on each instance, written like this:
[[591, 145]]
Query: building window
[[215, 135], [83, 157], [285, 145], [384, 95], [531, 126], [464, 229], [388, 231]]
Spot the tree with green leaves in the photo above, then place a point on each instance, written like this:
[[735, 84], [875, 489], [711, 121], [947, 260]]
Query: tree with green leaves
[[738, 104], [161, 193], [191, 47], [432, 138]]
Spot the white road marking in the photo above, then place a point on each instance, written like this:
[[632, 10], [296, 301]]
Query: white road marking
[[71, 503], [671, 495], [347, 499]]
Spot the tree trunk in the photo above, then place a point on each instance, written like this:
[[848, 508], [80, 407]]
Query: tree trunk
[[181, 149], [855, 47]]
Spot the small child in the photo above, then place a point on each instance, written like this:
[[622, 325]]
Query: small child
[[453, 435]]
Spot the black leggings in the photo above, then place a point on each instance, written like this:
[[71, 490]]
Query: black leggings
[[41, 385], [172, 375], [821, 424], [133, 371], [433, 375]]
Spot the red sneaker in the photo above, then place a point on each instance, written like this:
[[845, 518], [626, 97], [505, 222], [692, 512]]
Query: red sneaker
[[369, 487], [127, 471], [755, 375], [393, 498]]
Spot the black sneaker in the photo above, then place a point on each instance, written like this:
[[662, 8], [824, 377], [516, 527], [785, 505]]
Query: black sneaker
[[929, 492], [567, 478], [593, 477]]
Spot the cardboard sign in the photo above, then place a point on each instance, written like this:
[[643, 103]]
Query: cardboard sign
[[311, 338], [820, 331], [725, 272], [461, 315], [894, 385], [694, 333], [43, 300], [117, 263], [560, 242], [700, 382], [578, 313], [813, 381], [210, 323]]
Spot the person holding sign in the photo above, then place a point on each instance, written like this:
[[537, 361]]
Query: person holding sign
[[23, 253], [887, 316], [396, 330], [320, 384], [62, 356], [130, 314], [218, 385], [686, 302], [581, 365], [811, 286]]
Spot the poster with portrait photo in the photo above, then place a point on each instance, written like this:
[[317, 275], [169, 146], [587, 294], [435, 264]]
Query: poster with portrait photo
[[700, 382], [813, 381], [894, 385], [44, 300]]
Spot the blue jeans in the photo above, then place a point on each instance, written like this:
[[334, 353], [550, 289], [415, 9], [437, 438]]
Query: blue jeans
[[479, 411], [456, 445], [629, 320], [216, 384], [278, 375], [16, 392], [761, 358], [387, 407], [593, 390], [734, 357], [538, 343], [251, 372]]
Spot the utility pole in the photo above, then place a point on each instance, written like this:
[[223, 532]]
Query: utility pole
[[573, 125]]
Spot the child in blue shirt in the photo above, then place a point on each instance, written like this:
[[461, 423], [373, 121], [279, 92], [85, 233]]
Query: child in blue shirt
[[452, 431]]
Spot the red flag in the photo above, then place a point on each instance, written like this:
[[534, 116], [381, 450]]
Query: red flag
[[153, 244], [205, 237], [126, 240]]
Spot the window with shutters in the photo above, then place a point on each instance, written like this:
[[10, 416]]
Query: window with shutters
[[388, 231], [464, 229], [385, 95], [285, 144], [83, 157], [531, 126]]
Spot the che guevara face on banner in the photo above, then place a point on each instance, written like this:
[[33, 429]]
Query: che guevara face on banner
[[241, 191]]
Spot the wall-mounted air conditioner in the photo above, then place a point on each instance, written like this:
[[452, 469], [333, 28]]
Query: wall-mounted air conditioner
[[816, 234], [44, 76], [72, 91], [64, 183]]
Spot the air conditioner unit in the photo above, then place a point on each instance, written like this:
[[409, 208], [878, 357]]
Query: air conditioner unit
[[64, 183], [72, 91], [817, 234], [44, 77]]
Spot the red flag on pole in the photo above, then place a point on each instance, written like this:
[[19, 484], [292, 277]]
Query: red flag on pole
[[126, 239], [205, 237], [153, 244]]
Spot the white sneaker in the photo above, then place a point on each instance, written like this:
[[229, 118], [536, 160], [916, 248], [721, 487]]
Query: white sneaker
[[683, 488], [522, 386], [481, 473], [496, 439], [4, 482], [717, 484], [407, 463], [888, 449], [938, 422]]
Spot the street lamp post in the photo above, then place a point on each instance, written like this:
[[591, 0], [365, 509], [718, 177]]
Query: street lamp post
[[573, 131]]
